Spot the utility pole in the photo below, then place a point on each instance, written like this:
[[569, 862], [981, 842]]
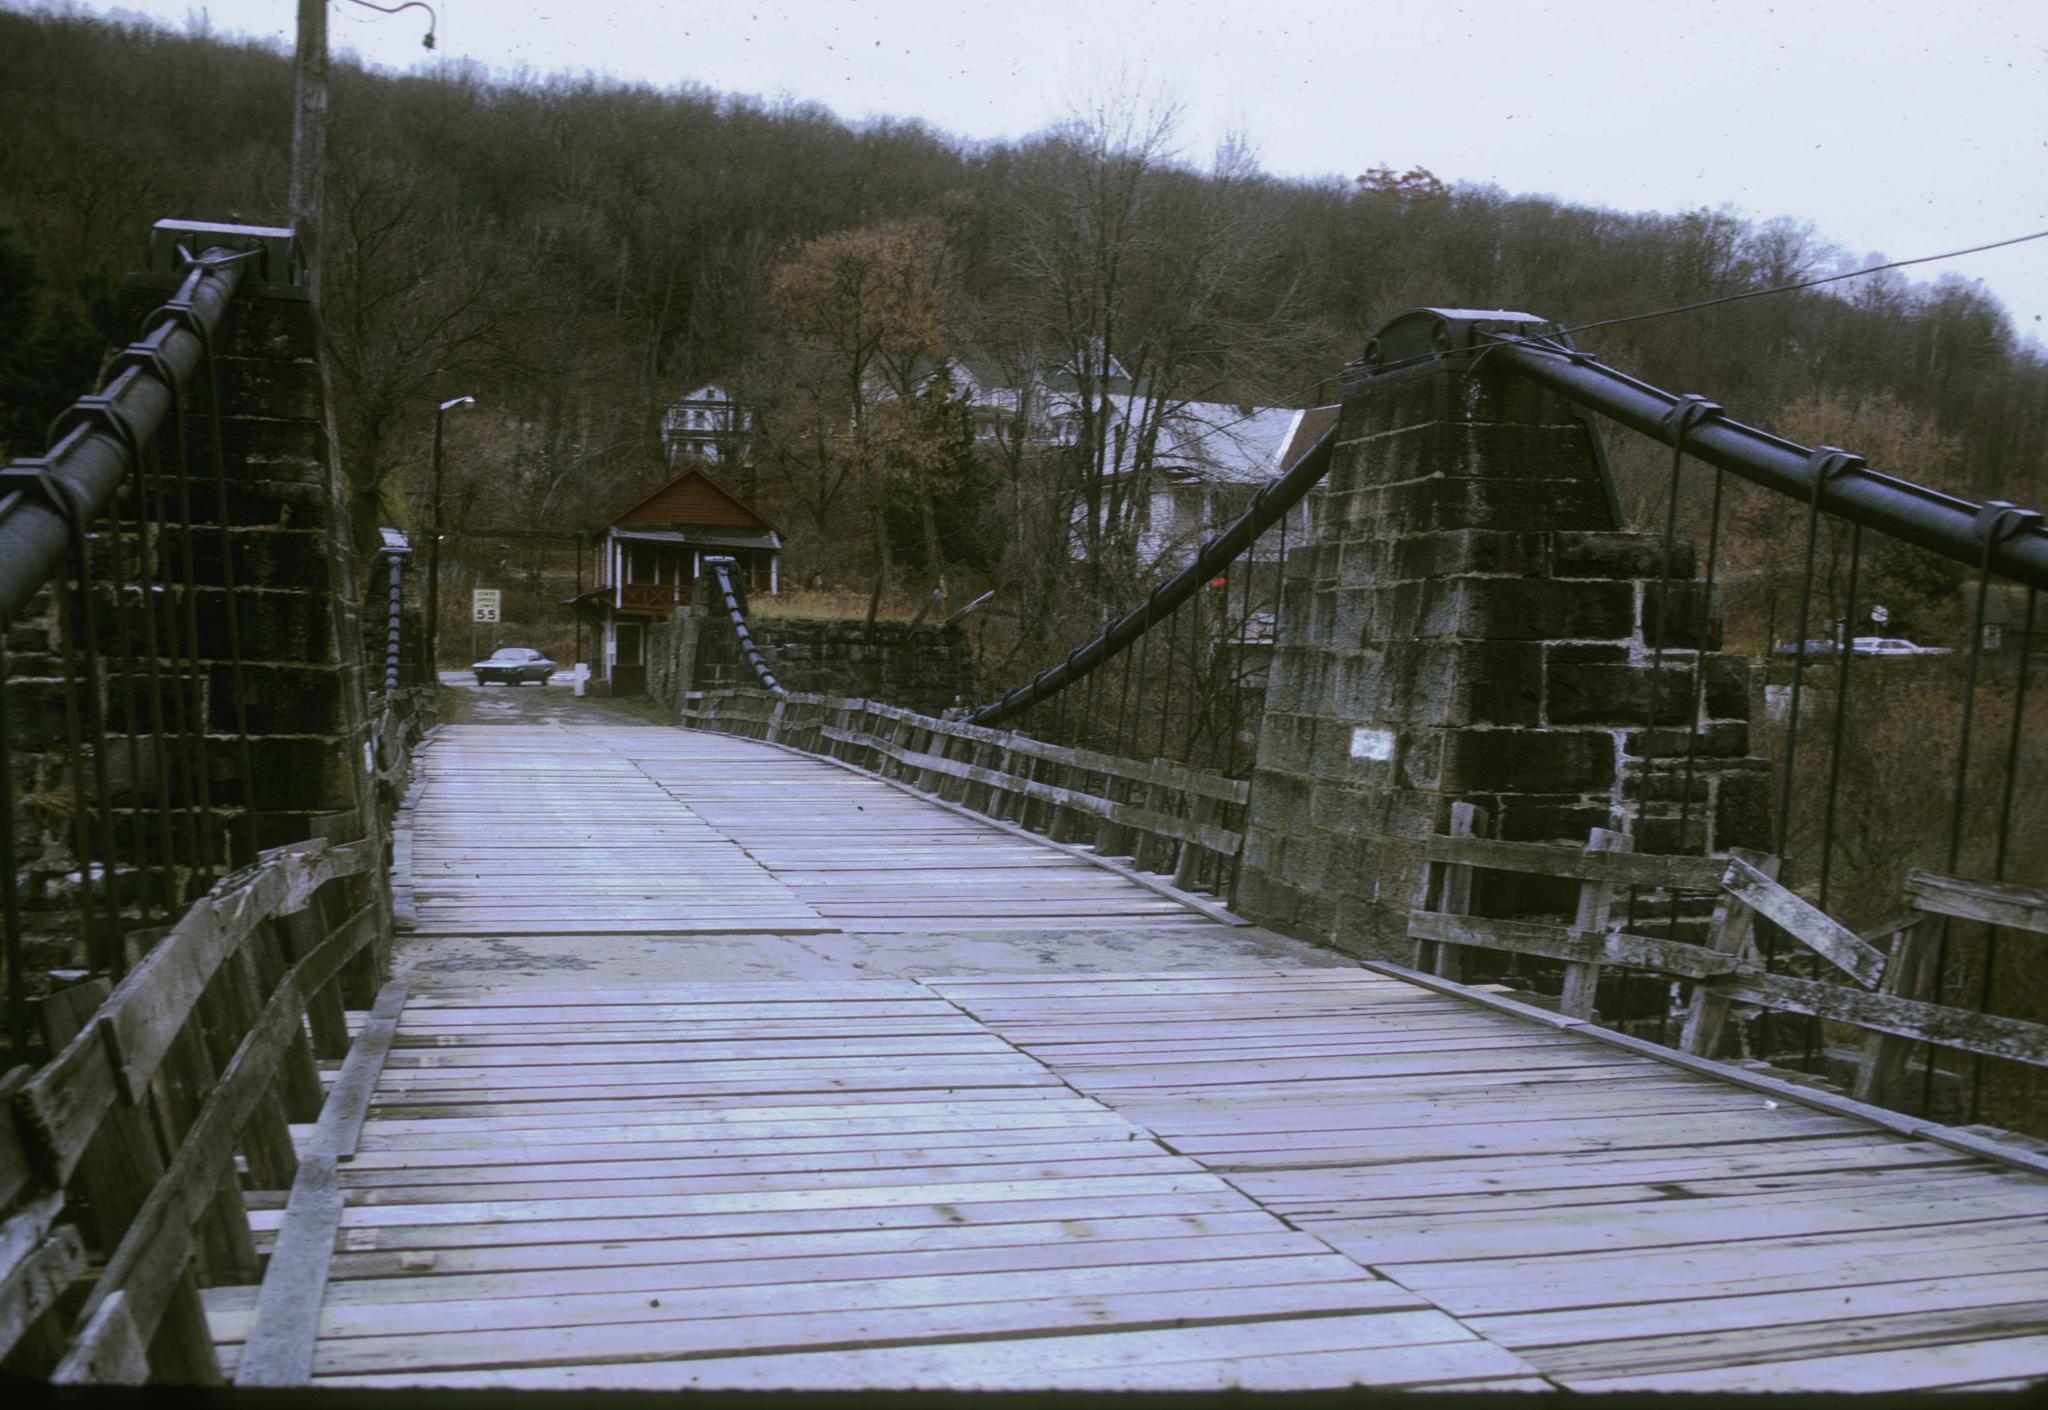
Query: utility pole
[[309, 138], [434, 539], [309, 125]]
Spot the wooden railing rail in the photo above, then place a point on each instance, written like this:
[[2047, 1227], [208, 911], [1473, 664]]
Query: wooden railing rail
[[1168, 818], [1880, 979], [123, 1159]]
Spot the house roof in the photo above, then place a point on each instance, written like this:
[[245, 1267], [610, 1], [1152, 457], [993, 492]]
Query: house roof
[[700, 538], [1302, 438], [692, 499], [1217, 442]]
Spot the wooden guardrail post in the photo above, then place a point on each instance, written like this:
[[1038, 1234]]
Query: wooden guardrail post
[[1909, 974], [1596, 901], [1448, 960], [1187, 871], [1733, 925]]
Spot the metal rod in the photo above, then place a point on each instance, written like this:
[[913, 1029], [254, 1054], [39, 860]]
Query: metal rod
[[1841, 731], [10, 897]]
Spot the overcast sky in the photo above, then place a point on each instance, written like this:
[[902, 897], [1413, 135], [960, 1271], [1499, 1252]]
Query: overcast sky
[[1894, 127]]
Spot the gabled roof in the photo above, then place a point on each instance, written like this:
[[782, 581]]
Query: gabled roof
[[692, 497]]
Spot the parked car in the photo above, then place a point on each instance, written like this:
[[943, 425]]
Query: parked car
[[1864, 646], [1894, 646], [513, 664]]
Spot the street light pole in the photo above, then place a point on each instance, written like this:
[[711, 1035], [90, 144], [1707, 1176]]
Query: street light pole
[[434, 539]]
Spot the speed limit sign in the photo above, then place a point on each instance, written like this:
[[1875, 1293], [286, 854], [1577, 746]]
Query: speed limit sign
[[484, 604]]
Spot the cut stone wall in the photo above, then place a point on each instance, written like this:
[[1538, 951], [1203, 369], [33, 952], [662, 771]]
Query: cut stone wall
[[926, 668], [1467, 624]]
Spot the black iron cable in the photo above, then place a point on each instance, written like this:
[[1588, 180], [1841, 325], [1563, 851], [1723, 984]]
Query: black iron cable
[[738, 619], [1924, 517], [1314, 388], [87, 464]]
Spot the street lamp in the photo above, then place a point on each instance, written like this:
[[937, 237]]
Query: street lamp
[[434, 539]]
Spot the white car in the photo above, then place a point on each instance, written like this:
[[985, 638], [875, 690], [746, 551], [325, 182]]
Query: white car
[[1895, 646]]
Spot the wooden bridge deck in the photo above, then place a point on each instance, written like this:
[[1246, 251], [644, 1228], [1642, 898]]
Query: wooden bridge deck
[[1262, 1175], [524, 830]]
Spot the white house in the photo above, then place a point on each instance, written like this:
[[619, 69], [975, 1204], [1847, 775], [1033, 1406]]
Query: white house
[[707, 424]]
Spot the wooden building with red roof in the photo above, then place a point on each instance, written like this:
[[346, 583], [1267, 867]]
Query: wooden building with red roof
[[648, 556]]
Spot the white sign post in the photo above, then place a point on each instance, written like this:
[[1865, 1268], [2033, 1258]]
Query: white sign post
[[484, 604]]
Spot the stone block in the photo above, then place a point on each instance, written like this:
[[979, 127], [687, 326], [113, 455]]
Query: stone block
[[1549, 817], [1463, 552], [1744, 808], [266, 557], [1617, 555], [279, 699], [255, 448], [1672, 836], [290, 774], [1723, 739], [1585, 685], [1682, 615], [1529, 760], [273, 626], [276, 389], [1728, 684], [1513, 609]]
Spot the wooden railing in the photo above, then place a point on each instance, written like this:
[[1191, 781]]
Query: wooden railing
[[123, 1159], [1882, 982], [1169, 819], [653, 594]]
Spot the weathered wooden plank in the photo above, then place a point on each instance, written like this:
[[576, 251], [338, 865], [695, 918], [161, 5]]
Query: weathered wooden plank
[[1732, 934], [1455, 879], [1565, 943], [1546, 859], [1990, 1034], [1809, 925], [110, 1351], [1596, 898], [287, 1312], [37, 1265], [1897, 1122], [654, 1340], [1998, 903], [1202, 834], [150, 1258]]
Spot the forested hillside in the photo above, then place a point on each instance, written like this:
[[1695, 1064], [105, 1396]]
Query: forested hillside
[[576, 253]]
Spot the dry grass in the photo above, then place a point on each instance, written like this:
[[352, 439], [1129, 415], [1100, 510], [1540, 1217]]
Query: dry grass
[[829, 604]]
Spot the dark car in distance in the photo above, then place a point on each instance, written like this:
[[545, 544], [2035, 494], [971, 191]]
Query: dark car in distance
[[513, 664]]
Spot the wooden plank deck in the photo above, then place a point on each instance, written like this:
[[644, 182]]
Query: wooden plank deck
[[1260, 1175], [1615, 1221], [551, 830]]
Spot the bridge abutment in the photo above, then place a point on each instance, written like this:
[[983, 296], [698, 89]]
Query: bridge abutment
[[1469, 623], [252, 721]]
